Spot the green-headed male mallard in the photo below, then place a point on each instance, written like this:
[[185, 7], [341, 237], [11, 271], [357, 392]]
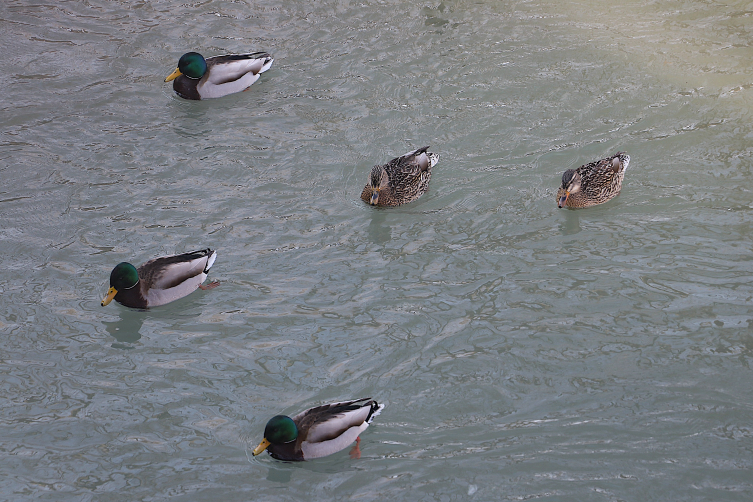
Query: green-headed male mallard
[[403, 179], [161, 280], [199, 78], [318, 432], [593, 183]]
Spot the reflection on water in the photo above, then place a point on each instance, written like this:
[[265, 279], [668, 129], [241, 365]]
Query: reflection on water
[[571, 222], [279, 475], [189, 121], [379, 232], [126, 329]]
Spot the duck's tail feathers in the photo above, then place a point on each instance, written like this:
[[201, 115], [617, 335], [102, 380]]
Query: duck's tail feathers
[[268, 60], [416, 152], [376, 409], [265, 57], [210, 261], [624, 159], [433, 159]]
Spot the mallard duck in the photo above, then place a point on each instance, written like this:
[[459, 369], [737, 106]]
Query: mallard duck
[[161, 280], [403, 179], [318, 432], [199, 78], [593, 183]]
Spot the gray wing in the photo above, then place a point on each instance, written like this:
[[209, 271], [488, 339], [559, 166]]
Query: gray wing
[[233, 67], [336, 424], [168, 278], [331, 428]]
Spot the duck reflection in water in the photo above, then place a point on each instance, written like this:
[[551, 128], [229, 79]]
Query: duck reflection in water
[[571, 225], [126, 330], [379, 232]]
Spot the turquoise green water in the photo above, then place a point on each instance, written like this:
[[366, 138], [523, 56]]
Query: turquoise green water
[[522, 352]]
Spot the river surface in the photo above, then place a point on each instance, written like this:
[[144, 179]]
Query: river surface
[[523, 352]]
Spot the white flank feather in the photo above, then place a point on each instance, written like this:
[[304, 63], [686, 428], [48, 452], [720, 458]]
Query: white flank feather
[[324, 448], [331, 426], [232, 70], [177, 270], [317, 445], [208, 90], [157, 297], [160, 293]]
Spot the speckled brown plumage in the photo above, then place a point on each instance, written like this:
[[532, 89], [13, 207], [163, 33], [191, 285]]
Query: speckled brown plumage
[[403, 179], [593, 183]]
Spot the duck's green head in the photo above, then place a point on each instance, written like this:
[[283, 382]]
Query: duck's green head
[[123, 276], [279, 430], [191, 64]]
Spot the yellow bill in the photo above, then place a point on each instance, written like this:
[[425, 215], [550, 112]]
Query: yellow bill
[[173, 75], [109, 296], [262, 446]]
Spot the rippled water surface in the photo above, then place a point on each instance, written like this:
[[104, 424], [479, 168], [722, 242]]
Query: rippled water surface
[[523, 352]]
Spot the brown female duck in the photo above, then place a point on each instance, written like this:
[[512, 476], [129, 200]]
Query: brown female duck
[[593, 183], [403, 179]]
